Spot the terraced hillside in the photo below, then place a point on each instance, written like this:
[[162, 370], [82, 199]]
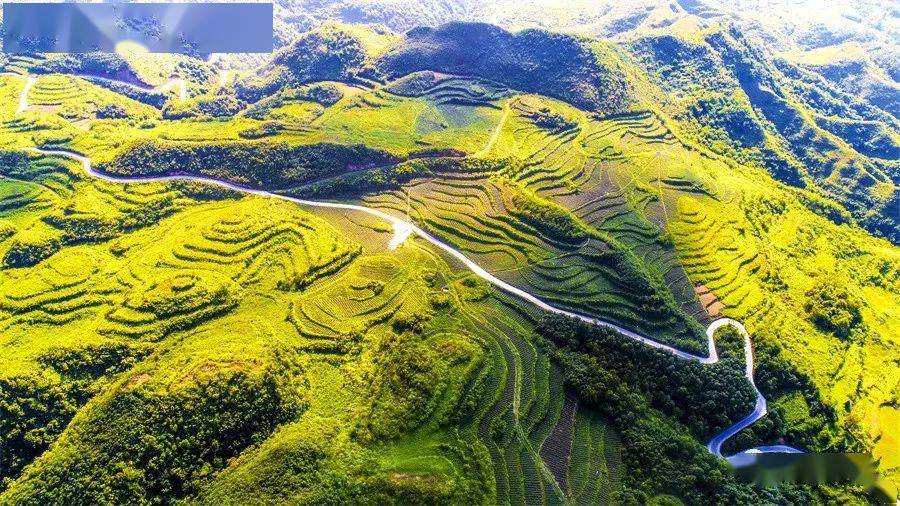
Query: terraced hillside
[[205, 336], [500, 214], [259, 299]]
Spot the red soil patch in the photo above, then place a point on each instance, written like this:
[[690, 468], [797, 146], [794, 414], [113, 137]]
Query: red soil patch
[[708, 300], [137, 380]]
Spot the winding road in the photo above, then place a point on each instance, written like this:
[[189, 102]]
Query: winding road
[[403, 229]]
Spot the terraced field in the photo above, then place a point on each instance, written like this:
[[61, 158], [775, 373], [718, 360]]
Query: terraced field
[[21, 64], [226, 261], [728, 270], [456, 114], [473, 209], [11, 86], [595, 466], [750, 269], [78, 100]]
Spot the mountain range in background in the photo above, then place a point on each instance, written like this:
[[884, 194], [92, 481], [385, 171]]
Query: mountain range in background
[[811, 86]]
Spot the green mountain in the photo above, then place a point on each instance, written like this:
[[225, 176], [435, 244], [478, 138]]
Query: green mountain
[[225, 300]]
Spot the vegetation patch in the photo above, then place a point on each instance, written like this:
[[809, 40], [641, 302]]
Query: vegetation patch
[[214, 106], [267, 165], [585, 74], [833, 306], [545, 215]]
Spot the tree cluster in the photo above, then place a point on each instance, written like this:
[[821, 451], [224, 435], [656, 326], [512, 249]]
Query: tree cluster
[[272, 166]]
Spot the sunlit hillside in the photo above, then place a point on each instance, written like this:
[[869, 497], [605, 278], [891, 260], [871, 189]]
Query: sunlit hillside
[[454, 263]]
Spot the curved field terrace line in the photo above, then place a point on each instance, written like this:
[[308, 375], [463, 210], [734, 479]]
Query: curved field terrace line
[[162, 88], [403, 228]]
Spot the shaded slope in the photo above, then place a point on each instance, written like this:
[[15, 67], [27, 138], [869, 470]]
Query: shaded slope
[[735, 99], [584, 73]]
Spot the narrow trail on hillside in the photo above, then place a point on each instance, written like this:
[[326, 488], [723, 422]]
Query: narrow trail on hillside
[[23, 100], [23, 96], [403, 229], [496, 133], [171, 83]]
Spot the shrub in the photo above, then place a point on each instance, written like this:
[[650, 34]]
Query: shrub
[[413, 321], [207, 105], [331, 53], [706, 398], [108, 65], [413, 85], [587, 75], [12, 162], [266, 129], [151, 98], [732, 120], [161, 446], [263, 164], [93, 361], [204, 191], [325, 94], [544, 215], [30, 249], [111, 111], [33, 412], [51, 137], [255, 88], [832, 306], [551, 120]]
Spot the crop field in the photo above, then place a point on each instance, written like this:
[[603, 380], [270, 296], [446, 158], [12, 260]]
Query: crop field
[[26, 128], [724, 263], [474, 210], [78, 100], [20, 64], [765, 283], [11, 88], [594, 470], [518, 471], [616, 181], [584, 277]]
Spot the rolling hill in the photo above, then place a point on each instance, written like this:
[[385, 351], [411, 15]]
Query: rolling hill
[[225, 302]]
